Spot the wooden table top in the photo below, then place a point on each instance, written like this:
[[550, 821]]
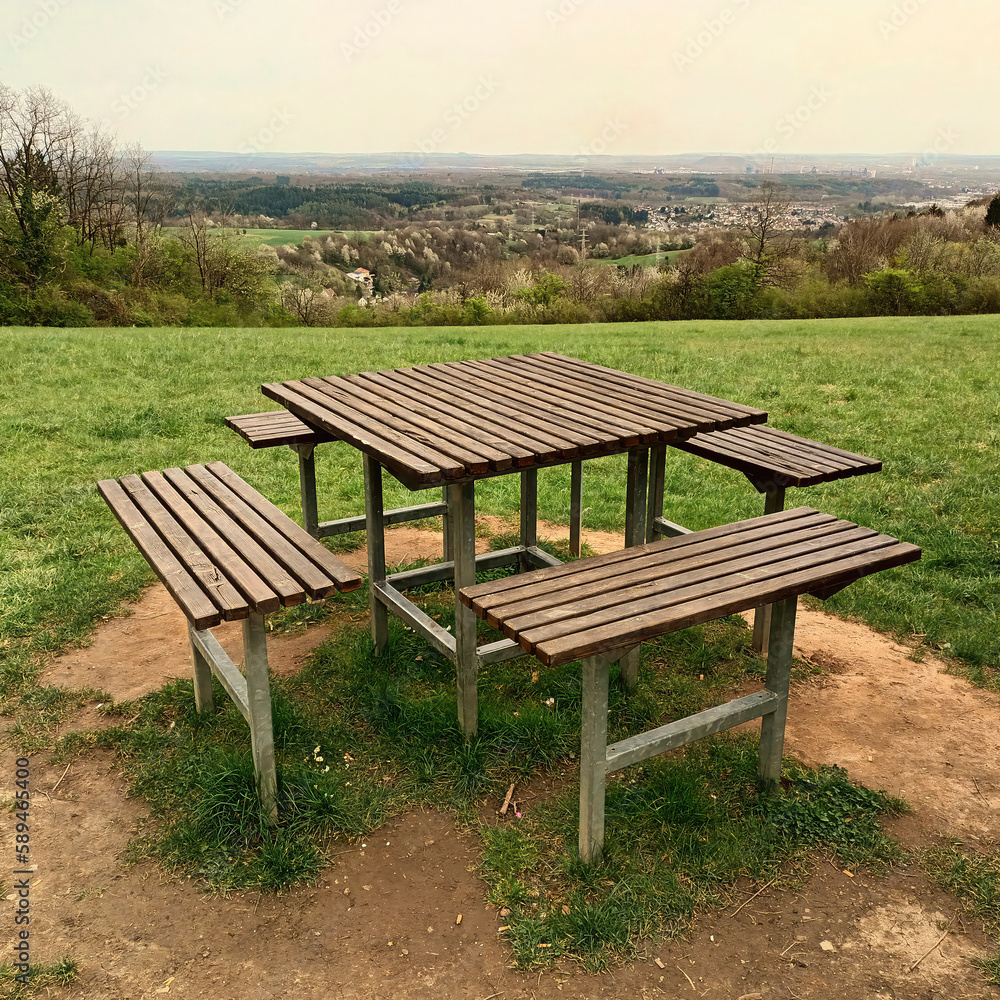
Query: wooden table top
[[440, 423]]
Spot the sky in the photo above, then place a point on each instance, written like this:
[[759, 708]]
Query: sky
[[568, 77]]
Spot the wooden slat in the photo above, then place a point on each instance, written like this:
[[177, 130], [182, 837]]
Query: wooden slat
[[404, 464], [184, 589], [277, 577], [225, 578], [307, 576], [342, 575], [274, 428]]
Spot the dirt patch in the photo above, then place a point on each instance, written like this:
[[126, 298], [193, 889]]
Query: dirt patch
[[382, 921]]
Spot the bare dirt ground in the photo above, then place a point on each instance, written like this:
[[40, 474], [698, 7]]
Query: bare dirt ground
[[382, 921]]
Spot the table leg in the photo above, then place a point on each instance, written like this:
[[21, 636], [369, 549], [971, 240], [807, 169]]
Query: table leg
[[446, 533], [529, 515], [375, 537], [307, 487], [657, 468], [462, 513], [636, 500], [204, 696], [575, 505], [779, 671], [774, 501], [259, 701], [593, 756]]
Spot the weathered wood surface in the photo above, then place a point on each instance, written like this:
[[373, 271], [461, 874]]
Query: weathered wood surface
[[771, 457], [221, 549], [275, 427], [439, 423], [623, 598]]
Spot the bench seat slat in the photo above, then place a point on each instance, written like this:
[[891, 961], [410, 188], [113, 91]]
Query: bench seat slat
[[185, 533], [181, 585], [261, 596], [275, 427], [763, 577], [343, 576]]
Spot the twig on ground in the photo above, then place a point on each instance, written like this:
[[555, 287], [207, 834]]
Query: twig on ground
[[506, 801], [63, 775], [980, 794], [754, 896], [932, 947], [687, 977]]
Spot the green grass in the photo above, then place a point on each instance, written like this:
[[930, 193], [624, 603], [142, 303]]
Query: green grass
[[360, 738], [643, 260], [921, 394], [40, 977], [279, 237]]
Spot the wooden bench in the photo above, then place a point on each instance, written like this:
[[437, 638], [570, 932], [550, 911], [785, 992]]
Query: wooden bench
[[225, 553], [599, 609], [279, 427]]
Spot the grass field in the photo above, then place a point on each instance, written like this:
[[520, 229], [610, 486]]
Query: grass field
[[81, 405], [643, 260], [920, 394], [280, 237]]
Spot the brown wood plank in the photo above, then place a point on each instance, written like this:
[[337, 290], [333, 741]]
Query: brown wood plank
[[405, 417], [726, 409], [797, 452], [733, 457], [450, 415], [184, 589], [595, 400], [187, 536], [828, 450], [403, 464], [275, 427], [795, 518], [667, 415], [342, 575], [572, 411], [277, 576], [346, 408], [546, 441], [651, 579], [308, 577], [218, 537], [647, 626]]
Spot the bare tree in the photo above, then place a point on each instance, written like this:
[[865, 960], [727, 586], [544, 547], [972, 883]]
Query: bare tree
[[769, 245]]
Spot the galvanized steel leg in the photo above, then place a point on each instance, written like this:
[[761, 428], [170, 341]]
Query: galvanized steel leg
[[259, 699], [774, 500], [307, 487], [636, 500], [657, 468], [375, 529], [529, 514], [204, 697], [575, 505], [593, 755], [462, 505], [779, 671]]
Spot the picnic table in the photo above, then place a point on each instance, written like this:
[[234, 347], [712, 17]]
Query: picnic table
[[450, 425]]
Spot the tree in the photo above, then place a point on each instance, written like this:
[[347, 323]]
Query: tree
[[993, 213], [768, 245]]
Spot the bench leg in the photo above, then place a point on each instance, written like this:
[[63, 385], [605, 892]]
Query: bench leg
[[774, 500], [307, 487], [204, 698], [779, 669], [575, 506], [657, 470], [259, 700], [529, 515], [593, 756], [375, 537], [462, 512], [447, 535], [636, 501]]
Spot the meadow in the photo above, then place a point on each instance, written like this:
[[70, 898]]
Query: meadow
[[81, 405]]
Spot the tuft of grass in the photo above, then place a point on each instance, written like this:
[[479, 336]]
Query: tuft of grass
[[16, 985]]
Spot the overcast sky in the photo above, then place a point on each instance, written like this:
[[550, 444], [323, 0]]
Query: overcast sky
[[520, 76]]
